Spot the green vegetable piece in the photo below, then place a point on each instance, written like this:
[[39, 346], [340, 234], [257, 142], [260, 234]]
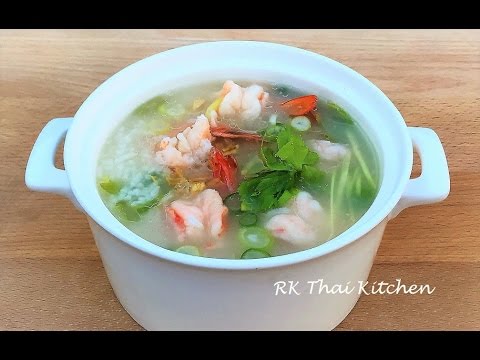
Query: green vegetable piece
[[286, 196], [271, 132], [255, 237], [110, 186], [247, 219], [335, 122], [358, 186], [343, 177], [213, 106], [162, 109], [284, 136], [170, 109], [255, 254], [294, 152], [312, 176], [311, 158], [143, 208], [363, 164], [232, 202], [333, 182], [149, 107], [352, 180], [189, 250], [338, 188], [138, 197], [272, 161], [262, 192], [126, 212], [273, 187], [340, 113], [301, 123]]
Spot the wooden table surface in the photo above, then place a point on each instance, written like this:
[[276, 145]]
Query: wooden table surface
[[51, 276]]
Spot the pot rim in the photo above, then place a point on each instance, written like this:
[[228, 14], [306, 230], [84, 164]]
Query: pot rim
[[355, 232]]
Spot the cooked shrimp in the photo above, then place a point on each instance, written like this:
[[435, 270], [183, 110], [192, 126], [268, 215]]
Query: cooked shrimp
[[305, 206], [246, 102], [189, 147], [200, 219], [297, 223], [329, 151], [291, 228]]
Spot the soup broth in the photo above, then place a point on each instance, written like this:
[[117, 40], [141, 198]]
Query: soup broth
[[238, 170]]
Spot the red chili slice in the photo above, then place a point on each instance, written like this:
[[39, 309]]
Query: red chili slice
[[300, 105]]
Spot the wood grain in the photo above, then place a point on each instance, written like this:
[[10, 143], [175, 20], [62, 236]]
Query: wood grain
[[51, 276]]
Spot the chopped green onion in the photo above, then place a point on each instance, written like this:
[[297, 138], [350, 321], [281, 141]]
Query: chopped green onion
[[232, 202], [255, 237], [247, 219], [255, 254], [301, 123], [189, 250]]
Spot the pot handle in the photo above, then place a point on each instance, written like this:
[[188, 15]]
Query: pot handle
[[433, 185], [41, 173]]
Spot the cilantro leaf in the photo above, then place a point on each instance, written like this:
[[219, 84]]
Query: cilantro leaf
[[286, 196], [312, 176], [311, 158], [263, 192], [283, 137], [272, 161], [293, 150], [293, 153], [289, 165]]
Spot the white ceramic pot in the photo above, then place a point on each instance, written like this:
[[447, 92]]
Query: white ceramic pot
[[165, 290]]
